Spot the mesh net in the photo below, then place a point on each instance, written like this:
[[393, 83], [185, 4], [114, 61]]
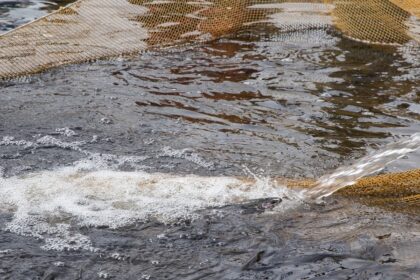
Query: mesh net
[[396, 191], [93, 29], [412, 6], [373, 21]]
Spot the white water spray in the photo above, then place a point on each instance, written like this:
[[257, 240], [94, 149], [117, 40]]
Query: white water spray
[[368, 165]]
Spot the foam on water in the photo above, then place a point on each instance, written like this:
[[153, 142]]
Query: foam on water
[[43, 141], [187, 155], [47, 204], [94, 192]]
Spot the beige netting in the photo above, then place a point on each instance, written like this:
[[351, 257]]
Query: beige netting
[[372, 21], [394, 191], [412, 6], [92, 29], [88, 29]]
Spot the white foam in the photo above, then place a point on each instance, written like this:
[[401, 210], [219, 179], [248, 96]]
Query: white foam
[[46, 203], [10, 141], [93, 192], [102, 160], [188, 155], [46, 140], [66, 132]]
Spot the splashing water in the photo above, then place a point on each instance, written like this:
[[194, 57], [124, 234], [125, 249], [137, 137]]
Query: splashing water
[[366, 166], [94, 193]]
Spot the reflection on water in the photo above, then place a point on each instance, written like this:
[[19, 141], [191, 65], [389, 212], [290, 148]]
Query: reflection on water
[[296, 103], [15, 13], [334, 93], [294, 96]]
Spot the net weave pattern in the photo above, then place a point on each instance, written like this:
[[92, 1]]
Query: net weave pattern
[[395, 191], [94, 29]]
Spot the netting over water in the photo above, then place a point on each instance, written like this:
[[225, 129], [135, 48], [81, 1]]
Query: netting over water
[[93, 29]]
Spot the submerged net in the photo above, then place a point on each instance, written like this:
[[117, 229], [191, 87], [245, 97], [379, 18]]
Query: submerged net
[[94, 29], [395, 191]]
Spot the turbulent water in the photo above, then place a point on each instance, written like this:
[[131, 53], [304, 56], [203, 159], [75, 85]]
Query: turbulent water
[[160, 166], [368, 165]]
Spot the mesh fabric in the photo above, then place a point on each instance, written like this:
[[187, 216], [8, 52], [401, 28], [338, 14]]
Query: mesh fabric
[[94, 29]]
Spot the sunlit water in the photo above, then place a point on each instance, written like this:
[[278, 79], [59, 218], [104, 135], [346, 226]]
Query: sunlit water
[[97, 161]]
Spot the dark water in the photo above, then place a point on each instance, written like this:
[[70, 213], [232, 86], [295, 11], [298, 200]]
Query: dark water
[[297, 105], [273, 105], [337, 241], [15, 13]]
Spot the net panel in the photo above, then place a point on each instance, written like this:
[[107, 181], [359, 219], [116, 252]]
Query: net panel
[[395, 191], [412, 6], [86, 30], [94, 29], [374, 21]]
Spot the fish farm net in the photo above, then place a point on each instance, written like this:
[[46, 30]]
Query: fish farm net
[[93, 29]]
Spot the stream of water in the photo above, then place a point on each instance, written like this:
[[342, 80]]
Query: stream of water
[[368, 165]]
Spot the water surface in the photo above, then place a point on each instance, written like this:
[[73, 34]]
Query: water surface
[[96, 160], [16, 13]]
